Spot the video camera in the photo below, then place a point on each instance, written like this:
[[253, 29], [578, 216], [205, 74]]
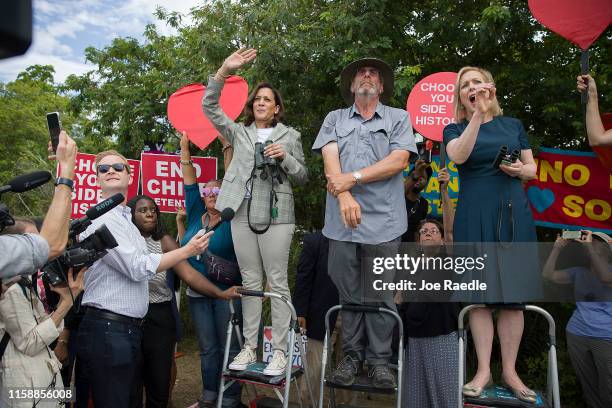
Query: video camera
[[20, 184], [84, 253], [268, 165]]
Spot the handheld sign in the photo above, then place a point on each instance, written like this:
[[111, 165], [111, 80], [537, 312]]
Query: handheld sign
[[430, 104], [185, 109], [579, 22]]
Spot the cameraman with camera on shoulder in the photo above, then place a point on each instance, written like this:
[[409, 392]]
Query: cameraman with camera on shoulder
[[116, 296], [25, 253]]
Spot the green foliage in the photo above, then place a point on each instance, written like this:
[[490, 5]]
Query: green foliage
[[302, 47], [24, 137]]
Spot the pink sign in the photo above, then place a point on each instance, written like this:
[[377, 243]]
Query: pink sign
[[185, 109], [579, 22], [86, 190], [430, 104], [162, 178]]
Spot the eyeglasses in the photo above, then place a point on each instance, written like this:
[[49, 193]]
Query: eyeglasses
[[118, 167], [208, 191], [433, 231]]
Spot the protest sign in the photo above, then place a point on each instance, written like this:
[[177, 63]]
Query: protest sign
[[267, 347], [430, 104], [185, 109], [162, 178], [571, 190], [86, 190]]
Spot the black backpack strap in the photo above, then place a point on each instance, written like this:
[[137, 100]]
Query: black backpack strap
[[4, 343]]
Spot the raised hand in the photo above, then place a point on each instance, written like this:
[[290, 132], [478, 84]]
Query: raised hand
[[184, 143], [237, 60], [443, 177], [586, 81], [485, 94]]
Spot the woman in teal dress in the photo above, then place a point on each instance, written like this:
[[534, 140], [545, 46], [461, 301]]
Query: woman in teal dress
[[493, 212]]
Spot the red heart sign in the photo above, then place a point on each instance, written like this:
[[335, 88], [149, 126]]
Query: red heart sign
[[604, 153], [580, 22], [185, 109]]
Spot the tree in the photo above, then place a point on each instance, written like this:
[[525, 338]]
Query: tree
[[303, 46]]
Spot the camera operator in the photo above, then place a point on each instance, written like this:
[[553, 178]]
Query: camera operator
[[26, 253], [116, 294]]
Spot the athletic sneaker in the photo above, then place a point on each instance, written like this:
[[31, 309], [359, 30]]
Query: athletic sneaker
[[277, 364], [243, 359], [382, 376], [346, 371]]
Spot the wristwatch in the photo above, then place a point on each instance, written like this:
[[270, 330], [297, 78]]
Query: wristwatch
[[65, 181], [186, 162], [357, 176]]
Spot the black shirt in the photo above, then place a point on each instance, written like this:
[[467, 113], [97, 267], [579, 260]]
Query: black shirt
[[417, 212]]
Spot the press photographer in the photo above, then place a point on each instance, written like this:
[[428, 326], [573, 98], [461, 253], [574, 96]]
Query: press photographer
[[26, 253]]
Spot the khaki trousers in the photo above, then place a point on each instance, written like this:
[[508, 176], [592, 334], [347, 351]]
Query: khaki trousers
[[258, 254]]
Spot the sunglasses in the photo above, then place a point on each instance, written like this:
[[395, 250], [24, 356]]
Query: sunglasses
[[208, 191], [118, 167]]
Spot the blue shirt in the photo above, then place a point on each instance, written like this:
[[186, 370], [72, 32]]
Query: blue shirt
[[220, 244], [362, 143], [590, 319]]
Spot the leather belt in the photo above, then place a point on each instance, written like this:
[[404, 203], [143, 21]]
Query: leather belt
[[115, 317]]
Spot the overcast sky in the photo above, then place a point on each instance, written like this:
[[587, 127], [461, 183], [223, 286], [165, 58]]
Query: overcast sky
[[64, 28]]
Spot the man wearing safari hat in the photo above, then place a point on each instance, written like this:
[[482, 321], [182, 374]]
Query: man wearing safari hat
[[365, 148]]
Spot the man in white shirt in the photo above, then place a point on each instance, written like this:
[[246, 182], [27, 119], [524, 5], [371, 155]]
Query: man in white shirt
[[116, 293]]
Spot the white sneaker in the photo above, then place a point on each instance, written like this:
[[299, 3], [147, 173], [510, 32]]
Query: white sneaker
[[243, 359], [277, 364]]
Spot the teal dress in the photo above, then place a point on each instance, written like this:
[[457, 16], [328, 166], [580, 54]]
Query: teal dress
[[493, 215]]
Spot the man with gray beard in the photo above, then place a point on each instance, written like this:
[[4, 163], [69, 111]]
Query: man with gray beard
[[365, 148]]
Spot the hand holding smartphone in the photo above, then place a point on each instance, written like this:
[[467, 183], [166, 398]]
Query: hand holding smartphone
[[55, 127]]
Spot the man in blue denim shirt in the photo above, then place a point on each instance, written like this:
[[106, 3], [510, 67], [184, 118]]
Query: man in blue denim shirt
[[365, 148]]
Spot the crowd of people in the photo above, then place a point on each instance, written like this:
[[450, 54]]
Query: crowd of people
[[121, 333]]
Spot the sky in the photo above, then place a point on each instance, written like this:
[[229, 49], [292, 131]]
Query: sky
[[64, 28]]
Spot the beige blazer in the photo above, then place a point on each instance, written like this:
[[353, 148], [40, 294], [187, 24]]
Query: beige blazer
[[26, 362], [243, 138]]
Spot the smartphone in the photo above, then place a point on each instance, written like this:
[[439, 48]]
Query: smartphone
[[571, 234], [55, 127]]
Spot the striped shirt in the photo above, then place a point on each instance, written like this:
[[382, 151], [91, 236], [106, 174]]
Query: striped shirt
[[118, 281], [158, 286]]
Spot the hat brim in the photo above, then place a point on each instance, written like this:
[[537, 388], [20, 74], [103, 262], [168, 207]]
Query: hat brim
[[348, 73]]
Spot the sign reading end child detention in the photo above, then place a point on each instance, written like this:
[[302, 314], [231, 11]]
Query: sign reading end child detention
[[162, 178]]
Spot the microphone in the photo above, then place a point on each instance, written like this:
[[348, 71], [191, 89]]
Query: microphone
[[226, 215], [79, 225], [26, 182]]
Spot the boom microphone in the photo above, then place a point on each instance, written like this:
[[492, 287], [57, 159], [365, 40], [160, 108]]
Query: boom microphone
[[26, 182], [79, 225]]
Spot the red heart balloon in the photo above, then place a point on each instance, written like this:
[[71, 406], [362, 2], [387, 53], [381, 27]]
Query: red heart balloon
[[186, 115], [580, 22], [604, 153]]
